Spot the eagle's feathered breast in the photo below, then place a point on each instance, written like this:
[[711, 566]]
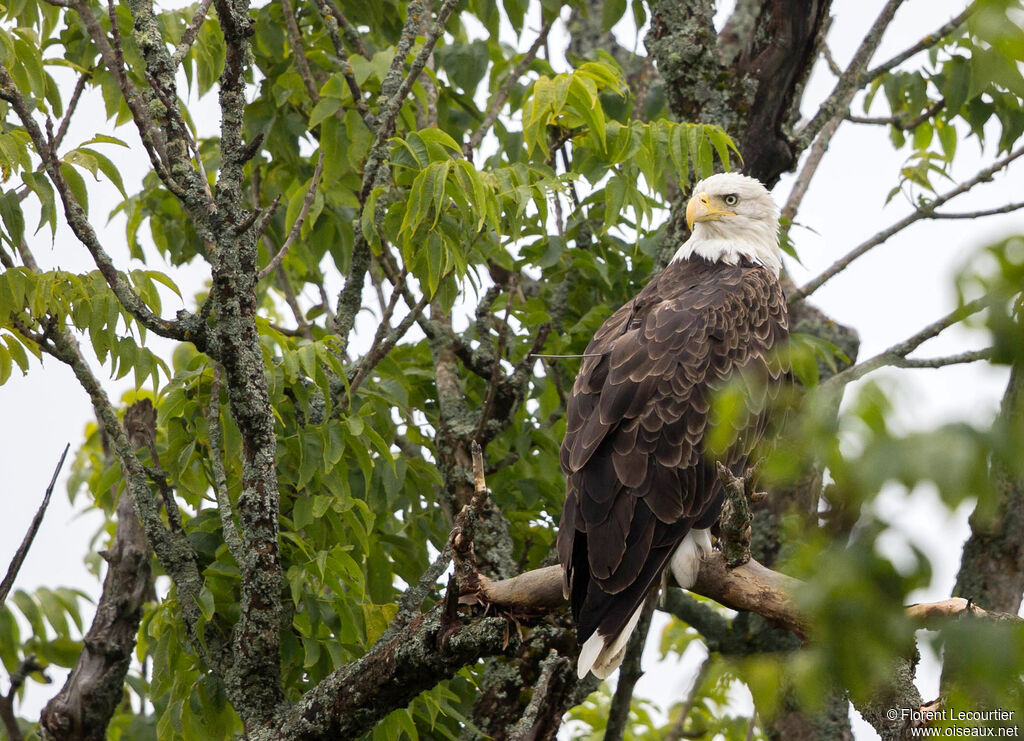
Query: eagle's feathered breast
[[639, 476]]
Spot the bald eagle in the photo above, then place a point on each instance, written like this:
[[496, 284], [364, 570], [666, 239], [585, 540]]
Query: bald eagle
[[642, 487]]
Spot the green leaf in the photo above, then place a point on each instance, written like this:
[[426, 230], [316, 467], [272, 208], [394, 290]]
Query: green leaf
[[611, 12], [76, 184]]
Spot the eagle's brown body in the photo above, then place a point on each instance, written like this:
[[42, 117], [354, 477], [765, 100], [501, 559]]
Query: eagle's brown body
[[639, 476]]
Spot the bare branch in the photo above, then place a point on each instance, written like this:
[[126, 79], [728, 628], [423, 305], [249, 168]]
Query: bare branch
[[807, 172], [76, 95], [499, 98], [897, 354], [191, 33], [923, 212], [926, 42], [901, 122], [852, 79], [1008, 208], [30, 534], [379, 350], [971, 356], [297, 226]]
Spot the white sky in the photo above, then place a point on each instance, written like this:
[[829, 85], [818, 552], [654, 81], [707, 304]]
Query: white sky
[[887, 295]]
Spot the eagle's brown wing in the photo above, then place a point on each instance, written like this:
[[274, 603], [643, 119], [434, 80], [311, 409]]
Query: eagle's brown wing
[[639, 474]]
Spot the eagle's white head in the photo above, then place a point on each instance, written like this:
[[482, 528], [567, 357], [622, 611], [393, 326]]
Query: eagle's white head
[[732, 216]]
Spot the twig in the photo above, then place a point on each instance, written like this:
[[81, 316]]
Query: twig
[[896, 355], [496, 103], [381, 349], [72, 105], [925, 43], [970, 356], [496, 374], [925, 212], [979, 214], [410, 601], [30, 534], [298, 51], [629, 673], [350, 31], [676, 731], [26, 667], [191, 33], [901, 122], [331, 24], [297, 226], [220, 479]]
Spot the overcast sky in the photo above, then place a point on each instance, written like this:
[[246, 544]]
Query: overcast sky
[[887, 295]]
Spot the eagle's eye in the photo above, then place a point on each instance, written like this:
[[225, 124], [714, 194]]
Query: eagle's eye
[[731, 199]]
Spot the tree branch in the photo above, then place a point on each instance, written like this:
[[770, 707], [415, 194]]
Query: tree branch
[[897, 354], [30, 534], [922, 212], [926, 42], [191, 33], [499, 97], [630, 672], [78, 221], [853, 77], [95, 687], [297, 226]]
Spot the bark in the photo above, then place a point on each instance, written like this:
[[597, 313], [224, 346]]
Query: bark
[[95, 687], [992, 564]]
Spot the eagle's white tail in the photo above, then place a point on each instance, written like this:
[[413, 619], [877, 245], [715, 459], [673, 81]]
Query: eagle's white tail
[[602, 654]]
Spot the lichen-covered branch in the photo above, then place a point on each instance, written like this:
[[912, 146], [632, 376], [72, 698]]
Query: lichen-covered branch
[[398, 667], [95, 687], [253, 682], [83, 230], [853, 77]]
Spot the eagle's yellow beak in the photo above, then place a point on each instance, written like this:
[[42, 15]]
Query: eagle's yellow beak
[[700, 208]]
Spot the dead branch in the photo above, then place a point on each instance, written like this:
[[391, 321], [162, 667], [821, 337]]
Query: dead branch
[[30, 534]]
